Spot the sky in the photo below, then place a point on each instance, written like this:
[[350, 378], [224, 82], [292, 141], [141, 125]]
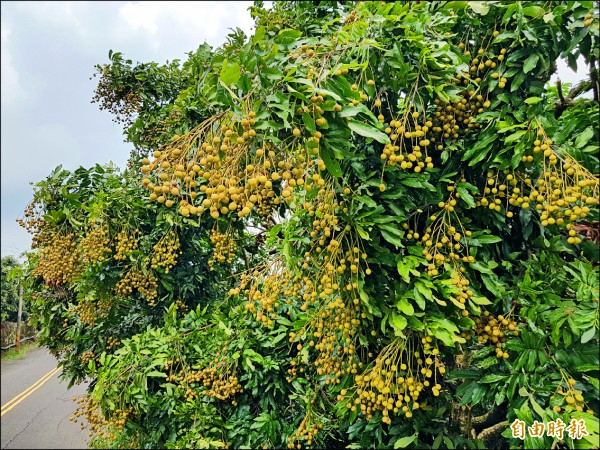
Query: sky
[[49, 50]]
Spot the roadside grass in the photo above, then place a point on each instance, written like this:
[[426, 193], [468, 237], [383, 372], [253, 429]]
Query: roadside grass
[[12, 354]]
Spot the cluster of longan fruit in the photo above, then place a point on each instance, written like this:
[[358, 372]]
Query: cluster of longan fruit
[[127, 243], [505, 185], [181, 307], [565, 193], [484, 61], [570, 398], [292, 372], [263, 291], [222, 175], [218, 379], [324, 210], [588, 19], [59, 259], [145, 283], [306, 432], [409, 142], [121, 101], [90, 410], [464, 293], [112, 342], [442, 241], [225, 247], [96, 419], [329, 290], [31, 221], [394, 383], [104, 305], [334, 333], [166, 251], [332, 293], [86, 309], [87, 356], [562, 194], [495, 330], [94, 246]]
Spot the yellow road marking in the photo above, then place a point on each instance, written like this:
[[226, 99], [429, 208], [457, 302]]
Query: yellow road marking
[[27, 392]]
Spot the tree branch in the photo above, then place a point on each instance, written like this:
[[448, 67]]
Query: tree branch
[[565, 102], [561, 96], [594, 76], [579, 88], [492, 431]]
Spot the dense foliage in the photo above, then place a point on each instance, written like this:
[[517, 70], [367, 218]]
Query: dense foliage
[[9, 289], [366, 225]]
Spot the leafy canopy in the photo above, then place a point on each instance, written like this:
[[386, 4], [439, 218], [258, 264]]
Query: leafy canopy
[[364, 225]]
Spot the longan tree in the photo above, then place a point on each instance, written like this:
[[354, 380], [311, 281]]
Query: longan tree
[[364, 225]]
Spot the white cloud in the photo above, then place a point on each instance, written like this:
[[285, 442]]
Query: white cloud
[[140, 15], [11, 88], [193, 21]]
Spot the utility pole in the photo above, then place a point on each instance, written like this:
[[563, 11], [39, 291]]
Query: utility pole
[[19, 313]]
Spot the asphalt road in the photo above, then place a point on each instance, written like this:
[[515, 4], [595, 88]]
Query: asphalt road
[[40, 419]]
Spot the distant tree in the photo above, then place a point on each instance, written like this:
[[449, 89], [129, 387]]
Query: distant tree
[[9, 289]]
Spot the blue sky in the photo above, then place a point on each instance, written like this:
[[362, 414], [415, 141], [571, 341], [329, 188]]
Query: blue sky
[[49, 50]]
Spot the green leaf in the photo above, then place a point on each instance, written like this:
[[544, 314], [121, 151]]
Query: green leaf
[[442, 322], [533, 11], [481, 148], [417, 183], [479, 7], [480, 301], [405, 441], [586, 368], [230, 73], [368, 131], [531, 62], [536, 407], [405, 307], [488, 239], [391, 238], [367, 201], [415, 323], [398, 322], [309, 123], [584, 137], [588, 335], [330, 162], [479, 267], [513, 137], [287, 36], [492, 378], [466, 196], [533, 100], [362, 233], [271, 73], [423, 290], [156, 373]]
